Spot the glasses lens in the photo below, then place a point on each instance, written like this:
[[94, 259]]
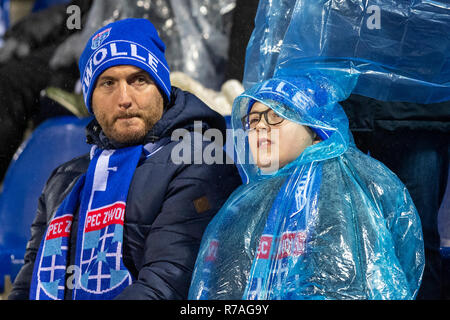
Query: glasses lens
[[273, 118], [251, 120]]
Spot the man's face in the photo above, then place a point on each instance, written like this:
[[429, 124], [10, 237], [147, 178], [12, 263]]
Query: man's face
[[126, 103]]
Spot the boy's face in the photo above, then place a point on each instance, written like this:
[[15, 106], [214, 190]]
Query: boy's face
[[126, 103], [274, 146]]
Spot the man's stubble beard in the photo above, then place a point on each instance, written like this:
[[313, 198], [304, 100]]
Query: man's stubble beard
[[126, 135]]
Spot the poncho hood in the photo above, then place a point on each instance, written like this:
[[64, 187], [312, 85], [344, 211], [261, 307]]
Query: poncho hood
[[310, 100]]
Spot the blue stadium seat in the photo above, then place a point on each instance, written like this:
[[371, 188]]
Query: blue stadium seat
[[54, 142], [4, 19], [44, 4]]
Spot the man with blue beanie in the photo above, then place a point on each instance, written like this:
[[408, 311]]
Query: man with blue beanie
[[126, 42], [125, 221]]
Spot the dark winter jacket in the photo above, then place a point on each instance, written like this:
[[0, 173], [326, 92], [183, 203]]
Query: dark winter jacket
[[168, 207]]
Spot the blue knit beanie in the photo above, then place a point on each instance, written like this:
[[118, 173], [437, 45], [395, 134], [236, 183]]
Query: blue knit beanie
[[124, 42]]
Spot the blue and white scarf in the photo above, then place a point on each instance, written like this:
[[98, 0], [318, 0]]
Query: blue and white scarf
[[283, 241], [100, 195], [282, 244]]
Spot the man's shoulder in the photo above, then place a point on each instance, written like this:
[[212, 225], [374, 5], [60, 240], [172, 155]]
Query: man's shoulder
[[195, 108], [77, 165], [190, 153], [62, 180], [185, 96]]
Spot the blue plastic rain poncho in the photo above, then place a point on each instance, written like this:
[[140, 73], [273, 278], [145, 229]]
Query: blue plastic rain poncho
[[332, 224], [400, 48]]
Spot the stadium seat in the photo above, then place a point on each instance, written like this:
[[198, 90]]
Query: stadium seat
[[52, 143], [44, 4], [4, 19]]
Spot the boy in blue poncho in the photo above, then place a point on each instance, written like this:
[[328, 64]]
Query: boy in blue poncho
[[317, 219]]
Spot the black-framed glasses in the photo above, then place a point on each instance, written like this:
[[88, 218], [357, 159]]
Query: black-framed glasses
[[251, 120]]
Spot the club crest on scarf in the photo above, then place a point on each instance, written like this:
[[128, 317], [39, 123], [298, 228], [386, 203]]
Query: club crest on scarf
[[102, 269], [100, 254], [50, 266], [101, 196]]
